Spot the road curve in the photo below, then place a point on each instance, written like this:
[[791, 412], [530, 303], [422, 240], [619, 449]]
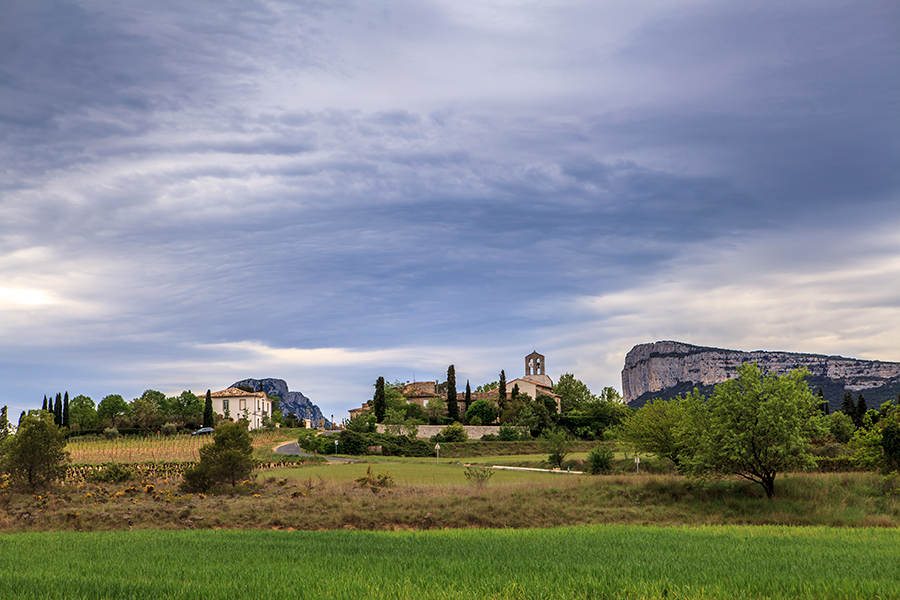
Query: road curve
[[293, 449]]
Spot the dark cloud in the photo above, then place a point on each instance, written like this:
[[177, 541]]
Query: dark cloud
[[309, 176]]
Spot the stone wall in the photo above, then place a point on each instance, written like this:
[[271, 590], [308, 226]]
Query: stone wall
[[475, 431]]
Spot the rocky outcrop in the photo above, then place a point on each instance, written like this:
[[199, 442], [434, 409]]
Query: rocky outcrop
[[667, 369], [291, 402]]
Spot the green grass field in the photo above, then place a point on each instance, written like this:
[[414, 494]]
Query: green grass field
[[584, 562], [409, 472]]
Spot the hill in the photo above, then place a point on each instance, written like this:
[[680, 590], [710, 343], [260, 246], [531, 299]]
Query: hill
[[291, 402]]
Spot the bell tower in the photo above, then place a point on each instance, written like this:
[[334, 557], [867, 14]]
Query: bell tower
[[534, 365]]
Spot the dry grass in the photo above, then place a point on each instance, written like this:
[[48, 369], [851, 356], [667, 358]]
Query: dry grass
[[312, 502]]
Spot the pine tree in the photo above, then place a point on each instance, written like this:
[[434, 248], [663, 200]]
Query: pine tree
[[861, 409], [452, 406], [65, 410], [379, 402], [501, 392], [209, 418], [57, 409], [468, 395]]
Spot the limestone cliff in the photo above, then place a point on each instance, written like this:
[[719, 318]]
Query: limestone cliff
[[667, 369], [291, 402]]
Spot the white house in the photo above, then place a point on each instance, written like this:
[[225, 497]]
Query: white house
[[237, 404]]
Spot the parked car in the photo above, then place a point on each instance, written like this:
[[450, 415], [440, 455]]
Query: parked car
[[204, 431]]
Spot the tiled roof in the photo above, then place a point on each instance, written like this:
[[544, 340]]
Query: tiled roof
[[234, 392]]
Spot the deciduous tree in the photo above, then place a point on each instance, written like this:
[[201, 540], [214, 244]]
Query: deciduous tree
[[757, 426], [558, 443], [573, 394], [111, 408], [36, 454], [484, 410], [666, 428], [82, 413]]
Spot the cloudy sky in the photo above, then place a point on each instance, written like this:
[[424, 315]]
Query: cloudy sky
[[192, 193]]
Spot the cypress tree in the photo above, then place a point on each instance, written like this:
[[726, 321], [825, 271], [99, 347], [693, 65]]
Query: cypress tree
[[501, 392], [4, 423], [848, 407], [861, 409], [50, 405], [65, 410], [21, 417], [468, 395], [822, 404], [44, 407], [452, 406], [515, 392], [209, 418], [379, 402], [57, 409]]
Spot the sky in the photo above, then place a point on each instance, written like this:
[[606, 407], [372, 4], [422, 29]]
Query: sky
[[194, 193]]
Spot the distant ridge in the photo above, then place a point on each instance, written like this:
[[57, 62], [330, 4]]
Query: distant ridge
[[667, 369], [291, 402]]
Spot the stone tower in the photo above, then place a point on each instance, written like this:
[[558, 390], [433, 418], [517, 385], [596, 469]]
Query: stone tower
[[536, 369], [534, 365]]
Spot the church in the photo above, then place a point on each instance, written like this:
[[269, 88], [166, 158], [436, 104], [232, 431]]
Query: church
[[535, 383]]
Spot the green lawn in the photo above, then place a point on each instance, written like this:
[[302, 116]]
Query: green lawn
[[585, 562], [407, 472]]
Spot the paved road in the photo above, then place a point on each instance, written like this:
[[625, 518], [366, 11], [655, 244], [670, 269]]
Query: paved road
[[293, 449]]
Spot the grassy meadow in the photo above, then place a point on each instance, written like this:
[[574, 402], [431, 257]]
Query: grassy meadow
[[312, 531], [575, 562]]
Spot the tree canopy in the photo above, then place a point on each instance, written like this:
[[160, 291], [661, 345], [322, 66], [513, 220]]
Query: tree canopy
[[36, 454], [755, 426]]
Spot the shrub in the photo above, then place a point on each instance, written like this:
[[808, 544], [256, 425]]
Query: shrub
[[112, 473], [599, 460], [169, 429], [375, 482], [110, 433], [478, 475], [454, 432], [508, 433]]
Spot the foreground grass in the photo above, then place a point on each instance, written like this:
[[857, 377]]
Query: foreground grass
[[587, 562]]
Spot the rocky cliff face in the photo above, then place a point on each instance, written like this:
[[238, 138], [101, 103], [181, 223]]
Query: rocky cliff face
[[667, 369], [291, 402]]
